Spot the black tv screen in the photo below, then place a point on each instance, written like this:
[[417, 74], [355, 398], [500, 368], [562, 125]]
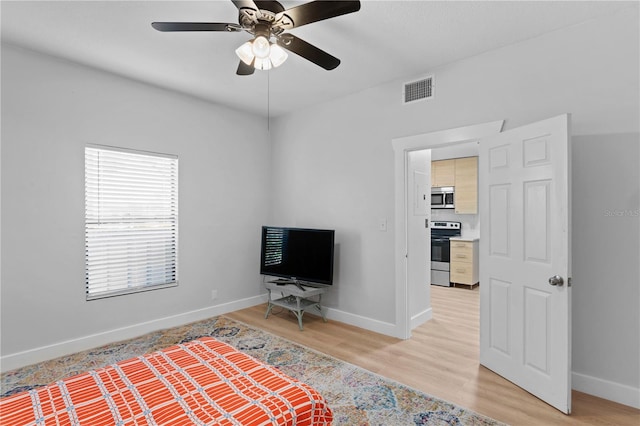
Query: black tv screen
[[298, 254]]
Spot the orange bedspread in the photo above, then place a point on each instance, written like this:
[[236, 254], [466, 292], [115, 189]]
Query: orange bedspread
[[203, 382]]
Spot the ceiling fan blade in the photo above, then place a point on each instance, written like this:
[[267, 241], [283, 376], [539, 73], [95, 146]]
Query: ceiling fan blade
[[308, 51], [245, 4], [270, 5], [195, 26], [318, 10], [244, 69]]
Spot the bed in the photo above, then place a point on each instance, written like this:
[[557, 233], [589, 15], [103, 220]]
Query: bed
[[202, 382]]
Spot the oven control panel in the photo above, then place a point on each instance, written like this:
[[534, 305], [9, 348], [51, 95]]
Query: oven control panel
[[446, 225]]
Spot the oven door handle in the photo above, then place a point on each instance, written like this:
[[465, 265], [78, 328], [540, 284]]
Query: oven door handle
[[439, 239]]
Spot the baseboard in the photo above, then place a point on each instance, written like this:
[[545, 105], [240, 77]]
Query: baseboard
[[36, 355], [421, 318], [616, 392], [363, 322]]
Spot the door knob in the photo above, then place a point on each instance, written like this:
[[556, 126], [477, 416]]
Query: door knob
[[556, 280]]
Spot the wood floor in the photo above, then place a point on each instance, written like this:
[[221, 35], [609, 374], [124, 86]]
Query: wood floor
[[440, 359]]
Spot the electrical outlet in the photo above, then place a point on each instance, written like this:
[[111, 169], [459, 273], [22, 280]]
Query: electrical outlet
[[214, 294]]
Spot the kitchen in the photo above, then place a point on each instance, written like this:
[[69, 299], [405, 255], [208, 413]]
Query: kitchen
[[455, 229]]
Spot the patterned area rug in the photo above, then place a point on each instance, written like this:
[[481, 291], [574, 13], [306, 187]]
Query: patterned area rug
[[356, 396]]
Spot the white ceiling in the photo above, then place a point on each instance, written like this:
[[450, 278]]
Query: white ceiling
[[384, 41]]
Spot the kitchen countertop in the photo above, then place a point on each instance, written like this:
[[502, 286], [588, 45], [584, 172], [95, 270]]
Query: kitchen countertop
[[463, 238]]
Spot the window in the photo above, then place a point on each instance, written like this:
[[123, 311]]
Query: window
[[275, 241], [131, 221]]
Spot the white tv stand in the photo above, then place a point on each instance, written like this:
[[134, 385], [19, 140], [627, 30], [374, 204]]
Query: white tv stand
[[295, 297]]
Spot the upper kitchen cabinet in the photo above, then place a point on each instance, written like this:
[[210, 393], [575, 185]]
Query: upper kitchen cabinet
[[466, 184], [443, 173], [461, 173]]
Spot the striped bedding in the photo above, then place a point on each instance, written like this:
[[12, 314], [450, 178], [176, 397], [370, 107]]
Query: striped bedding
[[202, 382]]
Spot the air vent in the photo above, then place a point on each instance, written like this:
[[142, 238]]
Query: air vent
[[418, 90]]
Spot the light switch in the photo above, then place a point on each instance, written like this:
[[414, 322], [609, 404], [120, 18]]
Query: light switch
[[382, 225]]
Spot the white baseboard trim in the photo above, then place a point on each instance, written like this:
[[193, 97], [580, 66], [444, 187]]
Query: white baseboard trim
[[622, 394], [36, 355], [421, 318], [363, 322]]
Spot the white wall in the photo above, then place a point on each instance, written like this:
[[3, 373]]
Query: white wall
[[50, 110], [606, 252], [333, 165]]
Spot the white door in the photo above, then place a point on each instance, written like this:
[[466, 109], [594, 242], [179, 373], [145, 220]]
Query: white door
[[525, 324]]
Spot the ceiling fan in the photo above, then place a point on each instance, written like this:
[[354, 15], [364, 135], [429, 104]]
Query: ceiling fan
[[267, 20]]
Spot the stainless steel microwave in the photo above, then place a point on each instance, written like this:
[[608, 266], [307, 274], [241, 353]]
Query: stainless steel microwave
[[443, 197]]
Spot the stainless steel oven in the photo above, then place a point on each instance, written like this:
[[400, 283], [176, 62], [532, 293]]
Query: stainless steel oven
[[443, 197], [440, 250]]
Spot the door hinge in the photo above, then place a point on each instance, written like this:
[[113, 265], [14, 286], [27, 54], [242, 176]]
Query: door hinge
[[569, 282], [426, 223]]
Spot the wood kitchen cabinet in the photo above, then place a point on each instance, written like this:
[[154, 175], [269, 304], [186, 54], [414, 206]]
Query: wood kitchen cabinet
[[466, 183], [443, 173], [461, 173], [464, 262]]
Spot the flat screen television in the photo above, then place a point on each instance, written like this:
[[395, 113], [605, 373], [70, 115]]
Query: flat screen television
[[298, 254]]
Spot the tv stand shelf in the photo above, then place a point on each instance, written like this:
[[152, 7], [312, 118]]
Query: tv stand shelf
[[295, 299]]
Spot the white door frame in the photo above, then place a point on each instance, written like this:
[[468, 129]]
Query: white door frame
[[401, 147]]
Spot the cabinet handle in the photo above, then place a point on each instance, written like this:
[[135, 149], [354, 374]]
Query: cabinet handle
[[461, 256], [461, 270]]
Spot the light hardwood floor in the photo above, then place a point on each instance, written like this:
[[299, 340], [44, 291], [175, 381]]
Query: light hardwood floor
[[441, 359]]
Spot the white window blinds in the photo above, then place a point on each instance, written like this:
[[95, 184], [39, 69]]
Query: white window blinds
[[275, 243], [131, 221]]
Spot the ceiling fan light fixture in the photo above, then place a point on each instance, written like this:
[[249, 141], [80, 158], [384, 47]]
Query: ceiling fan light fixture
[[261, 47], [277, 55], [274, 58], [245, 53], [262, 64]]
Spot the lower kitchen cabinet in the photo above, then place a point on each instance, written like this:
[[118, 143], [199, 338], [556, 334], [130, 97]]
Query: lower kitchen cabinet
[[464, 261]]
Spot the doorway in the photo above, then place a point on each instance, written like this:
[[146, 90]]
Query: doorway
[[455, 167], [408, 269]]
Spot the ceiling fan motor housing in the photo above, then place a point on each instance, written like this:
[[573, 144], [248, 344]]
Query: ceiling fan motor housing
[[262, 29], [251, 20]]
